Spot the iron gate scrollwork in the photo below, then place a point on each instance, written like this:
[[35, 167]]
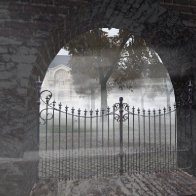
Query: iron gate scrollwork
[[84, 144]]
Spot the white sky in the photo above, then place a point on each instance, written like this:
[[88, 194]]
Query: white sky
[[110, 32], [62, 51]]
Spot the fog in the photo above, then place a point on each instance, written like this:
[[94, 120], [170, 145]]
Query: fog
[[139, 98]]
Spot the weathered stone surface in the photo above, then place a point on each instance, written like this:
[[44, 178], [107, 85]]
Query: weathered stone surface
[[135, 185]]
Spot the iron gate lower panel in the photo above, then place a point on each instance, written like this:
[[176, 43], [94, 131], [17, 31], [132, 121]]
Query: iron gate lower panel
[[77, 145], [89, 163]]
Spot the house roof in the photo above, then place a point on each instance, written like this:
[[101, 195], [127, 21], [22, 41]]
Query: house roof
[[59, 60]]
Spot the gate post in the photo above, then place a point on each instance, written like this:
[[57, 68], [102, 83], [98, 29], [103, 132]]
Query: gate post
[[38, 90], [121, 133]]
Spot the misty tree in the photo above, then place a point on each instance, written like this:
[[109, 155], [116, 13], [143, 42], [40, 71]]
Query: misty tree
[[120, 59], [96, 56], [153, 77]]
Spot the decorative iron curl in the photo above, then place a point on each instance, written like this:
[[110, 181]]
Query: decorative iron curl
[[125, 107], [116, 107], [47, 97], [125, 117], [117, 117], [45, 117], [44, 114]]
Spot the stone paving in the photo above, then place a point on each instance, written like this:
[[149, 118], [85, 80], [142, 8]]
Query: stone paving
[[157, 184]]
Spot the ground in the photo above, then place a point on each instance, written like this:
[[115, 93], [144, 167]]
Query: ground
[[158, 184]]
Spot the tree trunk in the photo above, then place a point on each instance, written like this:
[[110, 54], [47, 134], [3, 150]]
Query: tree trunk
[[103, 95], [142, 102], [168, 98], [92, 99]]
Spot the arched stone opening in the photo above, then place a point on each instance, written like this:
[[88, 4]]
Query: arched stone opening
[[30, 41]]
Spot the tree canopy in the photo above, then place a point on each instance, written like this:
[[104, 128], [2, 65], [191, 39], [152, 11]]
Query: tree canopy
[[97, 58]]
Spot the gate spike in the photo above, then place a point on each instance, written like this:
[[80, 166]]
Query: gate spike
[[79, 111], [47, 100], [97, 111], [91, 112], [60, 105], [164, 109], [85, 111], [159, 111], [66, 108], [154, 111], [72, 109], [169, 108]]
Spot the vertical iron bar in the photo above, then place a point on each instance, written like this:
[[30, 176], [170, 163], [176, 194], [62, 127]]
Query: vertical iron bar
[[79, 112], [88, 163], [136, 160], [155, 157], [91, 112], [60, 105], [144, 129], [114, 126], [85, 128], [133, 110], [53, 137], [108, 111], [149, 138], [46, 141], [66, 109], [175, 142], [53, 125], [160, 139], [164, 111], [75, 165], [97, 112], [121, 133], [128, 135], [138, 112], [97, 162], [102, 117], [175, 129], [72, 128], [79, 163], [72, 170], [170, 136], [69, 166]]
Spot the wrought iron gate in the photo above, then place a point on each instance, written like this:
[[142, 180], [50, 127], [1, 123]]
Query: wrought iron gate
[[84, 144]]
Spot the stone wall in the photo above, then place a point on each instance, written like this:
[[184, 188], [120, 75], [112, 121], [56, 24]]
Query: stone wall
[[28, 42]]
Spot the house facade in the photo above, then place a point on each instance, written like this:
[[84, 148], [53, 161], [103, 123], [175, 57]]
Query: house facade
[[59, 81]]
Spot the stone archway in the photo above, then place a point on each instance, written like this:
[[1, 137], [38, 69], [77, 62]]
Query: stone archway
[[31, 35]]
